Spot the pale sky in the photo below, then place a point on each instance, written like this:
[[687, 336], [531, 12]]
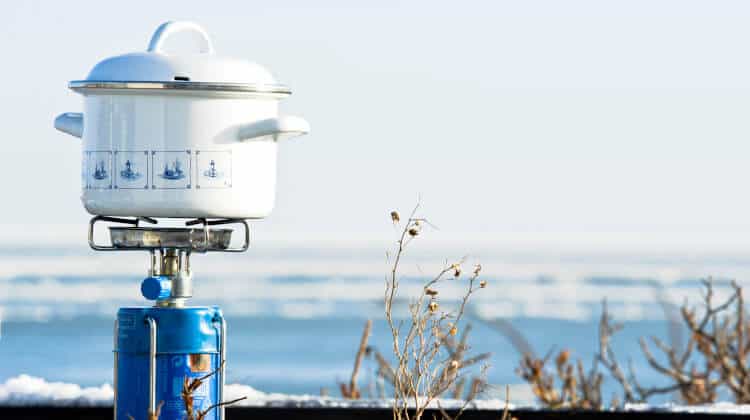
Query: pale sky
[[590, 123]]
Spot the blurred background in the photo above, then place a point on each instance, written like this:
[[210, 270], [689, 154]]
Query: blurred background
[[578, 150]]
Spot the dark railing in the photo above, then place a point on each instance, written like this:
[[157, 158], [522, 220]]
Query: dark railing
[[274, 413]]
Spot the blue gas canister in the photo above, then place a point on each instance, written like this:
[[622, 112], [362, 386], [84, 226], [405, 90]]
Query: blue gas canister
[[170, 344]]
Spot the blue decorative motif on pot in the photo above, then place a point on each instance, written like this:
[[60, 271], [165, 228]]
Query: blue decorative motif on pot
[[129, 173], [212, 172], [100, 172], [173, 170], [214, 168], [99, 169], [131, 169]]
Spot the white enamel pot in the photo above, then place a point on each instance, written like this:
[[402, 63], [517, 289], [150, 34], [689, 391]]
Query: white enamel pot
[[188, 135]]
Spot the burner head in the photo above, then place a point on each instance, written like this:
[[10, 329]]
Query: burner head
[[130, 238]]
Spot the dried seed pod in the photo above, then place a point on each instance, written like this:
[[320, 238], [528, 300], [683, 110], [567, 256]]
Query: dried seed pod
[[483, 284], [454, 364], [457, 272], [395, 217], [477, 269], [453, 330], [562, 357], [433, 306], [413, 231], [430, 292]]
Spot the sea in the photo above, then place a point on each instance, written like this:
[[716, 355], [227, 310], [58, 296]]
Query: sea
[[296, 313]]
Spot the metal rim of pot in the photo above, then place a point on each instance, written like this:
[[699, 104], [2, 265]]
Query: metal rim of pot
[[277, 89]]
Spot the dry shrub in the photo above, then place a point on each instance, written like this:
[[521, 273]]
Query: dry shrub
[[428, 360], [430, 348], [457, 351], [714, 359], [719, 342], [572, 388]]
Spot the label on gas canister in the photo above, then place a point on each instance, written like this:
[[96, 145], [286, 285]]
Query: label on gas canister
[[180, 371], [174, 372], [126, 322]]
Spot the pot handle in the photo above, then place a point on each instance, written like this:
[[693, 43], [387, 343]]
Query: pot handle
[[71, 123], [169, 28], [276, 129]]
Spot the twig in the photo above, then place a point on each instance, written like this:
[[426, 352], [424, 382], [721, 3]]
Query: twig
[[189, 387], [352, 391]]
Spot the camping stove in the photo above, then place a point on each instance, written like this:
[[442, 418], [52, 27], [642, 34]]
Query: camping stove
[[161, 348]]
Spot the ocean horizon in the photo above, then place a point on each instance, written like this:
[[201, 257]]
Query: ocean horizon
[[295, 316]]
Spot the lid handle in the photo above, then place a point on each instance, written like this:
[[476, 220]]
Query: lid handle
[[169, 28]]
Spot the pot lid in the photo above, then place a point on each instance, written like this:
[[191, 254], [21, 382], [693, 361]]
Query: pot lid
[[200, 71]]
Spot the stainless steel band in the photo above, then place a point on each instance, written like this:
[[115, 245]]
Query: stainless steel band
[[272, 89]]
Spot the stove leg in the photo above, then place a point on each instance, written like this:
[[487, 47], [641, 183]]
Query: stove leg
[[151, 366], [222, 363], [116, 333]]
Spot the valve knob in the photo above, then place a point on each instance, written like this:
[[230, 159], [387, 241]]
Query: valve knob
[[156, 287]]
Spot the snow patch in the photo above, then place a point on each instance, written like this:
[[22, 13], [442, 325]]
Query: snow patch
[[715, 408], [30, 390], [25, 390]]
